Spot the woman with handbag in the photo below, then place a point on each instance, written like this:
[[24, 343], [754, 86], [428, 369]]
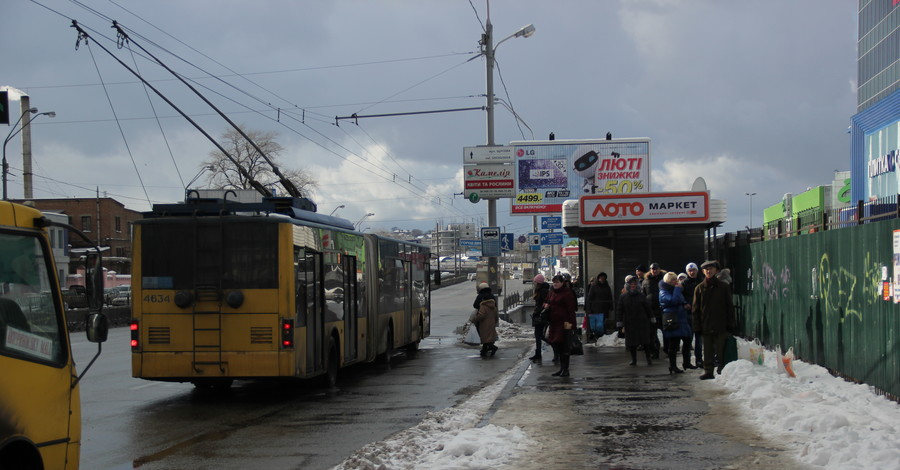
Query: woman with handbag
[[539, 318], [675, 322], [561, 304]]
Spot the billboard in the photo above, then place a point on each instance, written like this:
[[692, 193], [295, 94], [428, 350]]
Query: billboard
[[488, 181], [649, 208], [547, 173]]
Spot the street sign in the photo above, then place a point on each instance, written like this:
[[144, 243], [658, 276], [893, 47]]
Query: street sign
[[548, 223], [492, 154], [475, 243], [534, 241], [490, 241], [552, 238], [506, 242]]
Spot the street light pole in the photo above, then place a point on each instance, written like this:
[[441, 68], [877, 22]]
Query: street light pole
[[336, 208], [12, 133], [489, 49], [751, 210]]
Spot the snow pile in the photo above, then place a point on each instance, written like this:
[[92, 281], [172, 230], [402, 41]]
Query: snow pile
[[829, 422], [447, 439]]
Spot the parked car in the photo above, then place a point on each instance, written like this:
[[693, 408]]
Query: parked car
[[122, 296]]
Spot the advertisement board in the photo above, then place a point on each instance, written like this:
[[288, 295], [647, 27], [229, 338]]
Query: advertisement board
[[647, 208], [549, 172], [489, 181]]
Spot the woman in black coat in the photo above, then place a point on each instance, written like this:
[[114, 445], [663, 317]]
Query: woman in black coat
[[539, 318], [634, 313]]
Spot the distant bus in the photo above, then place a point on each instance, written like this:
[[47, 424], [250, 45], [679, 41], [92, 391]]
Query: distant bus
[[40, 411], [226, 290]]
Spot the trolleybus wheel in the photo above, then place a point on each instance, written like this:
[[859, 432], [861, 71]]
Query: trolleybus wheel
[[331, 364], [385, 358]]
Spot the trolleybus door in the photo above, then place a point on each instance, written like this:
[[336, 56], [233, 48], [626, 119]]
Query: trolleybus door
[[312, 266], [351, 322]]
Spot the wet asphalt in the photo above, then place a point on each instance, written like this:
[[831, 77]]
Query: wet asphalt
[[638, 417]]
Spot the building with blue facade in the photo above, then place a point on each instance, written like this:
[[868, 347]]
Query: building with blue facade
[[875, 129]]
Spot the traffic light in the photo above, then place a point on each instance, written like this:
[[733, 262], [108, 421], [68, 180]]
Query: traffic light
[[4, 107]]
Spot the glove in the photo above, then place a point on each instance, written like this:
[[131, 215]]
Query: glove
[[619, 324]]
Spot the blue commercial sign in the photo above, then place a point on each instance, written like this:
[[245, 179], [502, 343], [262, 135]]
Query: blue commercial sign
[[475, 243], [490, 241], [549, 223], [552, 238]]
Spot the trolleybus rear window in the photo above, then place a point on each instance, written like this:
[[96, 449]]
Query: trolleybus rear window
[[233, 255]]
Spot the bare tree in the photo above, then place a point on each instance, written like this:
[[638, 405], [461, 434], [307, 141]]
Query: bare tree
[[225, 175]]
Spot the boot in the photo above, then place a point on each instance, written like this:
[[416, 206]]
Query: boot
[[707, 376], [633, 352], [536, 357], [493, 349], [484, 350], [672, 368], [648, 353]]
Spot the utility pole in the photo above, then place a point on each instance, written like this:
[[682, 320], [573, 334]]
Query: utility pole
[[26, 146]]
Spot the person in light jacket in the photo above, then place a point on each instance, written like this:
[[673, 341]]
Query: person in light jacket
[[485, 319]]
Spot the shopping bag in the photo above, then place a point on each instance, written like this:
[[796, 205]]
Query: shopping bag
[[757, 352], [472, 337], [731, 353], [788, 362], [575, 346], [779, 359], [597, 323]]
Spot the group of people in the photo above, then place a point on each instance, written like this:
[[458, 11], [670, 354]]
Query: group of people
[[686, 307]]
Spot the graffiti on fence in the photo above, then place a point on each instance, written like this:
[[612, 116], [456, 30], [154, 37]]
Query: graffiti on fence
[[838, 287], [776, 285]]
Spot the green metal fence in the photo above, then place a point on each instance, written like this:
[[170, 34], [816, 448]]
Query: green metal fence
[[822, 293]]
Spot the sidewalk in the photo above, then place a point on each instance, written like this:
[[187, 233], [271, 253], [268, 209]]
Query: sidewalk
[[609, 414]]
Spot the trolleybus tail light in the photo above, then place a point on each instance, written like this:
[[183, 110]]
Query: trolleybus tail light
[[135, 334], [287, 333]]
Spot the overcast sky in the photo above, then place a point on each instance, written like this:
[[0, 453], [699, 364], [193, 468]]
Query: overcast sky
[[752, 96]]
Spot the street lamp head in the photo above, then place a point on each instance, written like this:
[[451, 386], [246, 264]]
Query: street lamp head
[[31, 110], [50, 114], [526, 31]]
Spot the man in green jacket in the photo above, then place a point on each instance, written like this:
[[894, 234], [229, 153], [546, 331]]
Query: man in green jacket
[[713, 311]]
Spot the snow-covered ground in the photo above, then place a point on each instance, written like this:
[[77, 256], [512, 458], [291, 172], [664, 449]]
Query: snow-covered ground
[[827, 422]]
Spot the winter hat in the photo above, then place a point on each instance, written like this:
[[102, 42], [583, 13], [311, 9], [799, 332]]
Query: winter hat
[[710, 264], [670, 277], [682, 276], [690, 266], [539, 279], [483, 285], [630, 278], [654, 266], [642, 268]]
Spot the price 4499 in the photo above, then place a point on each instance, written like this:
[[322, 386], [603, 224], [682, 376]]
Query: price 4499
[[529, 198]]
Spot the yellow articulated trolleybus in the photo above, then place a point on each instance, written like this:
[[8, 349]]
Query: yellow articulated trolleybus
[[228, 290], [40, 411]]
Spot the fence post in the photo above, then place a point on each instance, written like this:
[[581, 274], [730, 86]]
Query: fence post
[[859, 210]]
